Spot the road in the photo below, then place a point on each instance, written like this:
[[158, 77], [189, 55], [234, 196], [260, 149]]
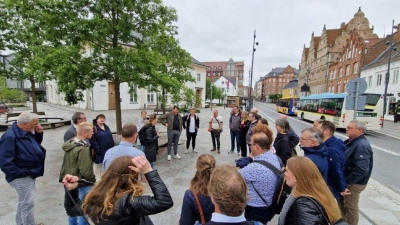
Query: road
[[386, 150]]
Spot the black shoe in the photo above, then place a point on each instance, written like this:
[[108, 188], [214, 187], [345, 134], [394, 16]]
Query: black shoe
[[219, 151], [213, 150]]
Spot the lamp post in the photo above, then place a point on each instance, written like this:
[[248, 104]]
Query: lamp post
[[251, 69], [391, 48], [211, 98]]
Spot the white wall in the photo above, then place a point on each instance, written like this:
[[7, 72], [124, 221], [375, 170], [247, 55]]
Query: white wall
[[371, 76], [98, 97]]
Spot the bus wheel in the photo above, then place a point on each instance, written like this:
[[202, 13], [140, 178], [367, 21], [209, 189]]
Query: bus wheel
[[302, 116], [322, 117]]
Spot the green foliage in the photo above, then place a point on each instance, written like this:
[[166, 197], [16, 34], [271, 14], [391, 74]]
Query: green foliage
[[124, 41], [21, 33], [12, 95], [397, 109], [275, 97], [219, 104], [219, 93], [188, 97]]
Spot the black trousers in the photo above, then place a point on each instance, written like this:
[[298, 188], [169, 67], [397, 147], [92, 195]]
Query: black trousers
[[243, 145], [215, 135], [191, 136]]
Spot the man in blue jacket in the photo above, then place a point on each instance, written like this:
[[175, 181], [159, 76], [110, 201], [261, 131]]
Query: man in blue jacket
[[336, 148], [357, 169], [311, 141], [22, 161]]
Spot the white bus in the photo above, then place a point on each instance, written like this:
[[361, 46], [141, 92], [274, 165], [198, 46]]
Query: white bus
[[330, 107]]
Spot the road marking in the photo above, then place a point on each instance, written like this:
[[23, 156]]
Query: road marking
[[341, 135]]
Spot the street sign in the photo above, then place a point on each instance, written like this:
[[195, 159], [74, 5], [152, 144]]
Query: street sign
[[351, 86], [355, 87], [351, 102]]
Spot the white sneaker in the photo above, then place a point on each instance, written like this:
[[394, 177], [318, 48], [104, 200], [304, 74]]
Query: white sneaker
[[194, 151], [169, 158], [186, 151], [177, 156]]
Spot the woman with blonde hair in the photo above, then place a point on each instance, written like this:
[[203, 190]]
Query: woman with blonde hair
[[197, 205], [311, 201], [118, 197], [151, 144]]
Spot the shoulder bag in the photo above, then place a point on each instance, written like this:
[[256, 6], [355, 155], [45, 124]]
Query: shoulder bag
[[202, 220]]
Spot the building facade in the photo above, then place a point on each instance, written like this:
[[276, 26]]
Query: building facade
[[228, 69], [274, 81], [327, 49], [101, 96], [375, 73]]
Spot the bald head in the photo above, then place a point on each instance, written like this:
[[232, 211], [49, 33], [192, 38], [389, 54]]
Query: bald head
[[254, 110], [282, 116]]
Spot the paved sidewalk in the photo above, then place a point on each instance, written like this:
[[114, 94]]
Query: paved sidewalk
[[378, 204]]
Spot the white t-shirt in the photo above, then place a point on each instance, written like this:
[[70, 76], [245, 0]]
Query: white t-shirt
[[214, 123]]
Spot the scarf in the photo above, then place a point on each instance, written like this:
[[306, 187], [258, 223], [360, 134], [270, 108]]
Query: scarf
[[285, 209]]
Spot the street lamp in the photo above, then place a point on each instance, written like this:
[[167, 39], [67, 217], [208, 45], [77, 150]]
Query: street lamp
[[251, 73], [391, 48]]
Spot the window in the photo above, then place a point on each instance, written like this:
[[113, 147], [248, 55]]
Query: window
[[355, 68], [150, 97], [349, 55], [223, 82], [133, 97], [339, 87], [347, 70], [396, 77], [198, 77], [370, 81], [334, 74], [379, 80], [340, 71]]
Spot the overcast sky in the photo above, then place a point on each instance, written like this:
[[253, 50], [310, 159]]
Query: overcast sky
[[216, 30]]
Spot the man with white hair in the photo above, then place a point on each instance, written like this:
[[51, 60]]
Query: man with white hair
[[22, 161], [358, 163]]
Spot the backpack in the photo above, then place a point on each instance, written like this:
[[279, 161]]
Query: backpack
[[282, 190], [142, 135]]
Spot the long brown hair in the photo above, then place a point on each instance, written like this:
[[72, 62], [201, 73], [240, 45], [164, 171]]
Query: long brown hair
[[117, 181], [152, 117], [310, 183], [204, 166]]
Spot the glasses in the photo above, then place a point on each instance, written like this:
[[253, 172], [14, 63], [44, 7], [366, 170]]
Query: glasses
[[304, 139], [84, 118], [349, 128], [252, 145]]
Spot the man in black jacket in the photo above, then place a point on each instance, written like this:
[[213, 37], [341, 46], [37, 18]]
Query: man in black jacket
[[191, 123], [357, 169]]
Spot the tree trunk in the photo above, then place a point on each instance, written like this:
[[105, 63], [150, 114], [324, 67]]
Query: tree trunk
[[118, 104], [33, 87]]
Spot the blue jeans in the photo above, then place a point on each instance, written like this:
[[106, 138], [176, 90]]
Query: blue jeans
[[82, 193], [235, 134], [141, 148]]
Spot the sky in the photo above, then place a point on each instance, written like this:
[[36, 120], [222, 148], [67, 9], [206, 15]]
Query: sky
[[217, 30]]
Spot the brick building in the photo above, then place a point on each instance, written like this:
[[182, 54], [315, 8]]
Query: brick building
[[229, 69], [274, 81], [326, 49]]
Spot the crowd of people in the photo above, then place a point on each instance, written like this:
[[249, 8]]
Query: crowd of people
[[103, 180]]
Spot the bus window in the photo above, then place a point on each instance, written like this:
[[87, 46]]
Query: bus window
[[372, 99], [339, 106], [314, 105]]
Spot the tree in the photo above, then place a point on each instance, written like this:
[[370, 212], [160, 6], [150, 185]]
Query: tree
[[188, 97], [275, 97], [123, 42], [219, 93], [21, 33]]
